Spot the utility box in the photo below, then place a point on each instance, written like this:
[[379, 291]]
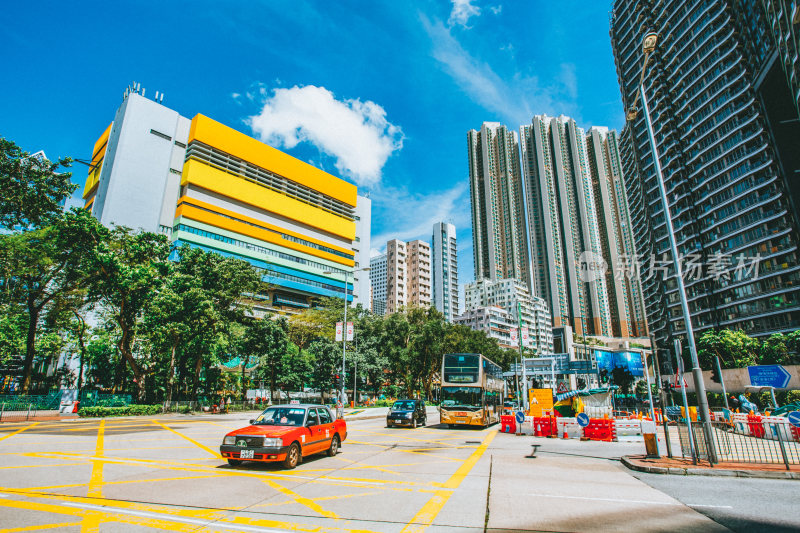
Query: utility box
[[650, 438]]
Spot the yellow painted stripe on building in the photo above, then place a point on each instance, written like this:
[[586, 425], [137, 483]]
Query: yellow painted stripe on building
[[198, 215], [238, 144], [101, 141], [246, 218], [241, 228], [215, 180]]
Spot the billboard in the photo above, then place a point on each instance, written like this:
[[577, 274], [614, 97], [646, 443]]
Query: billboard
[[608, 360]]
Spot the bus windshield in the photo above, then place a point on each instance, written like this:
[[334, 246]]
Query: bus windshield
[[466, 398]]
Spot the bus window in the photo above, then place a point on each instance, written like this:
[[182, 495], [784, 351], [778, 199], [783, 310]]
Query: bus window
[[461, 368]]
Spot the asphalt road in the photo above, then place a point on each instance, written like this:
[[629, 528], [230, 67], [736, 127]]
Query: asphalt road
[[740, 504], [164, 473]]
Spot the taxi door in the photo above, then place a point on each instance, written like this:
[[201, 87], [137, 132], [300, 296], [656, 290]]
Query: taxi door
[[315, 438], [326, 424]]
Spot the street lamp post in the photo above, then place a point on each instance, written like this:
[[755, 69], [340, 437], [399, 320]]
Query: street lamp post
[[344, 326], [648, 46]]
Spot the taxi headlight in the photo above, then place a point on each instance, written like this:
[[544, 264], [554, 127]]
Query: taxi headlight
[[229, 440], [273, 443], [409, 415]]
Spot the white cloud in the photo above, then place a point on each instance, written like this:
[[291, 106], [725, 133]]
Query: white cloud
[[514, 98], [408, 216], [462, 11], [356, 134]]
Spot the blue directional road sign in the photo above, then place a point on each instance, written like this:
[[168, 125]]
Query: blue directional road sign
[[794, 418], [583, 420], [520, 417], [769, 376]]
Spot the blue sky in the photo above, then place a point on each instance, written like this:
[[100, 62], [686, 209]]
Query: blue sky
[[381, 93]]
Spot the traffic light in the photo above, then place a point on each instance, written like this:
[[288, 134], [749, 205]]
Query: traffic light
[[714, 374], [336, 380], [604, 376]]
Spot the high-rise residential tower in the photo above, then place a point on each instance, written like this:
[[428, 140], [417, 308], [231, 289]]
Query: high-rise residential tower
[[445, 269], [209, 186], [378, 279], [408, 274], [728, 165], [512, 296], [563, 230], [498, 218], [614, 228]]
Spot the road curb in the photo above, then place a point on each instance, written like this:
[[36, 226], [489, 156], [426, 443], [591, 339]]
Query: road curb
[[715, 472]]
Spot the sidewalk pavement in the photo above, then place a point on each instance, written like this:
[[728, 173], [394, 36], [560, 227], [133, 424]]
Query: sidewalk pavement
[[568, 486], [684, 467]]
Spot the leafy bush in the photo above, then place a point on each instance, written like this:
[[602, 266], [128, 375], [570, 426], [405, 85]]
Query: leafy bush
[[128, 410]]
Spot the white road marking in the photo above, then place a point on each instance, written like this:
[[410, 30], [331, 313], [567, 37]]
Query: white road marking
[[712, 506], [619, 500]]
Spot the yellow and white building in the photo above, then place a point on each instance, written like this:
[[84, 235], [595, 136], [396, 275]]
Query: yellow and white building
[[213, 187]]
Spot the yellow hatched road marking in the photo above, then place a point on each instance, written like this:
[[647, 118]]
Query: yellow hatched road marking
[[44, 527], [311, 504], [96, 481], [431, 509], [20, 431], [202, 446], [124, 482], [95, 511], [44, 466]]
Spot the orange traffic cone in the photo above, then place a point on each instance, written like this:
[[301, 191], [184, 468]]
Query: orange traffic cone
[[566, 435], [538, 432]]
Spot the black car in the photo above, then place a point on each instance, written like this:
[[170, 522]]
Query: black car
[[407, 413]]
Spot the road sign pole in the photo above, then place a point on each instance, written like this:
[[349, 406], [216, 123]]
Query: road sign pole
[[722, 382], [521, 360], [682, 382]]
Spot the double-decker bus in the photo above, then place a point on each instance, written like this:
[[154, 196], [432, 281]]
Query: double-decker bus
[[472, 390]]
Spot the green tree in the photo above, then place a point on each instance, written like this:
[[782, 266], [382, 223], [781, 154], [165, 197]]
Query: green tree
[[734, 348], [229, 286], [327, 362], [296, 367], [425, 346], [31, 188], [45, 264], [267, 340], [12, 331], [128, 272]]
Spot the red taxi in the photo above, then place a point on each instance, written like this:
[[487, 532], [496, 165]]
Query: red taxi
[[285, 433]]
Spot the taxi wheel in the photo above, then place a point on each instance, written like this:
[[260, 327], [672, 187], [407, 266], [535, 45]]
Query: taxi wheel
[[388, 424], [234, 462], [425, 421], [334, 449], [292, 456], [414, 423]]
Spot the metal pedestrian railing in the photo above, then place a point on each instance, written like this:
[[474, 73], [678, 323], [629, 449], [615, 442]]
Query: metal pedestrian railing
[[12, 411], [758, 440]]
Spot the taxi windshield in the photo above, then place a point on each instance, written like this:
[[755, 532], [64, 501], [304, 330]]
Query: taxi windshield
[[403, 406], [282, 416]]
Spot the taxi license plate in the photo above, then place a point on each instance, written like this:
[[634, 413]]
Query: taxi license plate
[[246, 454], [461, 414]]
